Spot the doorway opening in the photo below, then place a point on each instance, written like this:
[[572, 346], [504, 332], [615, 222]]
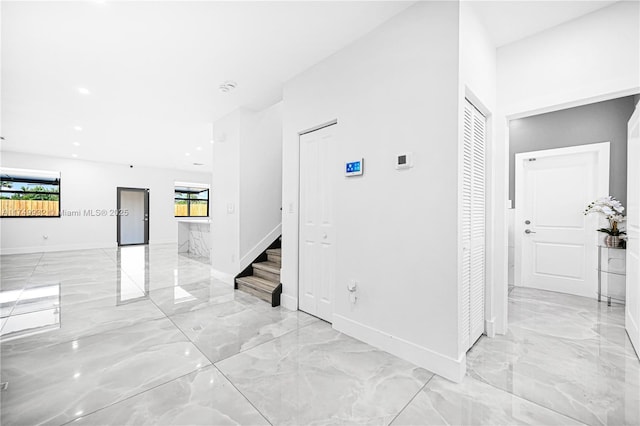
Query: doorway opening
[[571, 125], [555, 243], [133, 216]]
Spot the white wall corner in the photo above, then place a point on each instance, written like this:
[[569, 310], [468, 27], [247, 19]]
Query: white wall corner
[[447, 367]]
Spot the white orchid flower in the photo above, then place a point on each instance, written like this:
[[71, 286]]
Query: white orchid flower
[[610, 207], [617, 218]]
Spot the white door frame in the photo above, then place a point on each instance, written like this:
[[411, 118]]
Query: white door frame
[[602, 155]]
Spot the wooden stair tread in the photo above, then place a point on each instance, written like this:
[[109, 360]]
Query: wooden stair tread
[[258, 283], [268, 266], [265, 281]]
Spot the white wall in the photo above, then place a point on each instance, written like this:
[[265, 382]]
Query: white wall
[[396, 231], [225, 194], [593, 58], [89, 185], [477, 60], [260, 181], [247, 176], [585, 58]]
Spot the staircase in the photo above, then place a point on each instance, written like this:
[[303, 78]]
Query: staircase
[[262, 279]]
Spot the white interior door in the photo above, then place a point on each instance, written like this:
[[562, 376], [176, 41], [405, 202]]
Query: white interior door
[[473, 225], [632, 320], [556, 244], [317, 238]]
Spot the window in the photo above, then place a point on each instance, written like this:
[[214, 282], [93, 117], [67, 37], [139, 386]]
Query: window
[[29, 193], [191, 201]]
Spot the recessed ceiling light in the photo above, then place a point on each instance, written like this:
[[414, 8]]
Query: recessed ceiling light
[[211, 141], [74, 155], [77, 128], [83, 91], [76, 144], [187, 154], [198, 148]]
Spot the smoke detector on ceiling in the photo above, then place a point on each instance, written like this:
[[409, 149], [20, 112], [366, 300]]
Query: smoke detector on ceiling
[[227, 86]]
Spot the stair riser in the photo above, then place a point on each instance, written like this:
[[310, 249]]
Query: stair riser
[[274, 258], [266, 275], [259, 294]]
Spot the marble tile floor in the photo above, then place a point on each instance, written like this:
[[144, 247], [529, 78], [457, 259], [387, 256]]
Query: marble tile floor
[[568, 354], [147, 336]]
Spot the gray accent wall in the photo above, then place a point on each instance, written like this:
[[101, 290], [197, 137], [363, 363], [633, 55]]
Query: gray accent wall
[[594, 123]]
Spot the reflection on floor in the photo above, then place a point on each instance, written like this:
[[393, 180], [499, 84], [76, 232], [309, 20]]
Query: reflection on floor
[[142, 335]]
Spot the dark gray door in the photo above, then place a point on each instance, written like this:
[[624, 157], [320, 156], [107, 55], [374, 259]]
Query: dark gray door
[[133, 216]]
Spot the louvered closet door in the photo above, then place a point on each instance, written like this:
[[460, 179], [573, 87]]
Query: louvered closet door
[[473, 225]]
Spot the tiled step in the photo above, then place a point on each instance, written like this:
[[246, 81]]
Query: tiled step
[[275, 255], [257, 286], [267, 270]]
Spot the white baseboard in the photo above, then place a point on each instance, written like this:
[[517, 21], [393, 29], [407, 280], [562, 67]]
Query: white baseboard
[[449, 368], [58, 247], [289, 302], [158, 242], [223, 276], [67, 247], [260, 247]]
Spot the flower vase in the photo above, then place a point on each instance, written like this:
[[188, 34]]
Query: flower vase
[[612, 240]]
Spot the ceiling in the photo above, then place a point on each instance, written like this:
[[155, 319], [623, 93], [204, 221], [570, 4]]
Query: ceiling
[[508, 21], [152, 69]]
